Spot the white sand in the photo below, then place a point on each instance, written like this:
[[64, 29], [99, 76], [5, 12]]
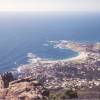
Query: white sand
[[82, 55]]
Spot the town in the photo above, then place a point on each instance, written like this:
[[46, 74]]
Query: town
[[77, 72]]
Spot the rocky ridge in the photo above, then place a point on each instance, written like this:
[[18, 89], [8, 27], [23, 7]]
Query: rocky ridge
[[22, 89]]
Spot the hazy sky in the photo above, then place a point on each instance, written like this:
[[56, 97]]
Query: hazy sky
[[50, 5]]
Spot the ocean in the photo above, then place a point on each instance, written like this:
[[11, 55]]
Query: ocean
[[22, 33]]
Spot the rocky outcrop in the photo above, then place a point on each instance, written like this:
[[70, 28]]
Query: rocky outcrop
[[24, 89], [5, 79]]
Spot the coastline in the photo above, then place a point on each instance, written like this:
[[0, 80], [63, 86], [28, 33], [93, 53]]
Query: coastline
[[81, 55], [75, 47], [35, 61], [48, 63]]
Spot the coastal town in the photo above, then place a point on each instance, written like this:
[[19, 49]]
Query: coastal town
[[81, 71]]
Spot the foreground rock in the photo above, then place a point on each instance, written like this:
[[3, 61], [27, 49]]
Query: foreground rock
[[24, 89], [5, 79]]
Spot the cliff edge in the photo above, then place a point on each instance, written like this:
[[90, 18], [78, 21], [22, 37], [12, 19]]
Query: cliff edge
[[22, 89]]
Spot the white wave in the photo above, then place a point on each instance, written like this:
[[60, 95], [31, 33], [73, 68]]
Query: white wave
[[24, 68], [31, 55], [19, 69], [53, 42]]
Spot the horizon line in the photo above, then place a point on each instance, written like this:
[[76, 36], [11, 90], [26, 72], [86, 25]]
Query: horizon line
[[51, 11]]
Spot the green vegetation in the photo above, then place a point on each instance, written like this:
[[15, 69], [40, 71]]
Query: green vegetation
[[63, 95]]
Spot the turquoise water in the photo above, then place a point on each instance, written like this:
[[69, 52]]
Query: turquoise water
[[22, 33]]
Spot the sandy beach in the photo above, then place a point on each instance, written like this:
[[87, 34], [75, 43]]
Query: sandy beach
[[82, 55]]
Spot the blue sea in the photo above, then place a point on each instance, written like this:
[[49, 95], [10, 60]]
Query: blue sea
[[22, 33]]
